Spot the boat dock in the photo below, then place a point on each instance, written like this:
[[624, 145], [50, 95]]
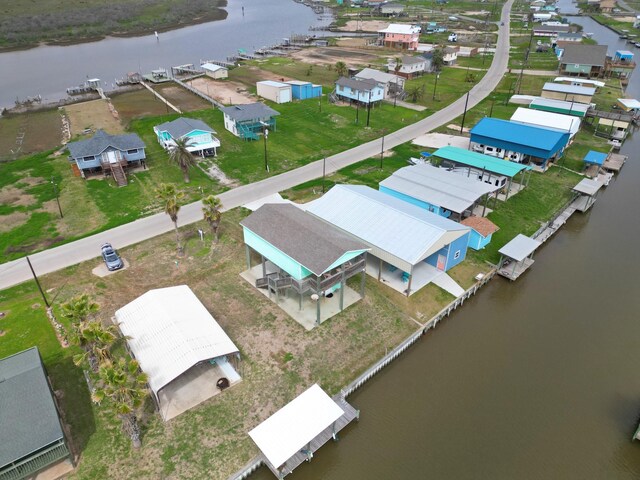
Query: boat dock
[[614, 162]]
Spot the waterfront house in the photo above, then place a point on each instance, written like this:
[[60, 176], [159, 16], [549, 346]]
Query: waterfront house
[[583, 60], [391, 83], [621, 65], [410, 246], [560, 106], [438, 190], [410, 66], [482, 229], [304, 263], [518, 142], [484, 168], [247, 121], [400, 36], [550, 31], [304, 90], [568, 93], [215, 71], [277, 92], [32, 436], [556, 121], [180, 346], [363, 91], [391, 9], [199, 135], [106, 153]]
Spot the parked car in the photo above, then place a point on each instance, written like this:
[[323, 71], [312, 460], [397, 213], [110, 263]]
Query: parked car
[[111, 258]]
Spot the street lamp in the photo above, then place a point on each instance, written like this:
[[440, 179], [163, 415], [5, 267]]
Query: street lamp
[[55, 192], [435, 85], [266, 135]]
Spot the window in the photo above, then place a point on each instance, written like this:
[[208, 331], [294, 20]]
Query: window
[[88, 159], [456, 255], [132, 151]]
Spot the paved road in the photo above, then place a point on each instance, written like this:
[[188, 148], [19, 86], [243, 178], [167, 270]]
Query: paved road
[[17, 271]]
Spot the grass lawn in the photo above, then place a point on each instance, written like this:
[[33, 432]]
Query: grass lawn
[[39, 131], [280, 358], [584, 141], [452, 84], [536, 60]]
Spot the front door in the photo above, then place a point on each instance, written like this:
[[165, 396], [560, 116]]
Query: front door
[[442, 261]]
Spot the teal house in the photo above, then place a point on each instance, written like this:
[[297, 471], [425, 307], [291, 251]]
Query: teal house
[[303, 260], [200, 136], [481, 231], [249, 120]]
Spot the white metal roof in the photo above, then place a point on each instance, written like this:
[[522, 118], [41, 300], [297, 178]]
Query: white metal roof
[[287, 431], [629, 103], [438, 186], [272, 83], [377, 75], [575, 89], [555, 121], [212, 67], [401, 28], [169, 332], [588, 186], [398, 232], [579, 81], [520, 247], [553, 103], [522, 99]]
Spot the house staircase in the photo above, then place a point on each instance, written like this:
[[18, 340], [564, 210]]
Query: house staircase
[[118, 174], [245, 132], [112, 162], [333, 97]]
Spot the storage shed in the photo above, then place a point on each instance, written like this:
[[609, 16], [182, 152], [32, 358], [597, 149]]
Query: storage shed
[[568, 93], [275, 91], [518, 142], [30, 428], [438, 190], [304, 90], [180, 346], [411, 245], [215, 71], [482, 229], [576, 109], [557, 121]]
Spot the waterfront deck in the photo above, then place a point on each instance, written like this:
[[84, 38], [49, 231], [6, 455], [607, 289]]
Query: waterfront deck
[[350, 414], [514, 269], [614, 162]]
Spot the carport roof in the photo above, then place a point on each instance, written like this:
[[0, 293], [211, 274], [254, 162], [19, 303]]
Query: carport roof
[[520, 247], [481, 161], [169, 331], [594, 157]]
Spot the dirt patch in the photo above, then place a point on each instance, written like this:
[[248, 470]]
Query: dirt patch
[[329, 56], [92, 115], [213, 171], [351, 42], [16, 197], [31, 181], [626, 19], [364, 25], [41, 245], [181, 98], [13, 220], [228, 93], [137, 104], [27, 133]]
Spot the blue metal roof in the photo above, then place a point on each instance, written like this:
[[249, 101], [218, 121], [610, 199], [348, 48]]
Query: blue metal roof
[[594, 157], [535, 141]]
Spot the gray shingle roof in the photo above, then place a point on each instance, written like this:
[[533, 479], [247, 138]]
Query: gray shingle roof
[[28, 416], [409, 60], [181, 126], [303, 237], [101, 141], [361, 84], [584, 55], [250, 111]]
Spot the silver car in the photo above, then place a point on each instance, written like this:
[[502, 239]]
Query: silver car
[[111, 258]]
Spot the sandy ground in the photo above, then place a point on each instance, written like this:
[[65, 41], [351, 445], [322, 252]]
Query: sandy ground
[[329, 56], [626, 19], [364, 25], [437, 140], [229, 93], [351, 42], [94, 114]]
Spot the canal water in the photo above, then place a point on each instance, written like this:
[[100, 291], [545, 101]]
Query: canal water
[[48, 71], [536, 379]]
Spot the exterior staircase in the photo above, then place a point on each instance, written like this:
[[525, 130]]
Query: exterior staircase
[[118, 175], [112, 161]]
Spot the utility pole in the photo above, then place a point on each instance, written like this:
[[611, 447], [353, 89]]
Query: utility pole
[[55, 192], [369, 108], [435, 85], [466, 103], [357, 111], [44, 297], [382, 150], [266, 134], [324, 169]]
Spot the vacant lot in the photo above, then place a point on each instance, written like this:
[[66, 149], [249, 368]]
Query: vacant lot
[[137, 104], [181, 97], [28, 133], [331, 55], [226, 92], [92, 115]]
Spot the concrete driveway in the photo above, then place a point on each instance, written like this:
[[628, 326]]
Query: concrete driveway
[[17, 271]]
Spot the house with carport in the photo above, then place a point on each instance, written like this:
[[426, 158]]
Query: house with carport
[[200, 137], [304, 264], [187, 356], [410, 246], [391, 83], [360, 90], [250, 120], [568, 93], [439, 191], [400, 35], [518, 142]]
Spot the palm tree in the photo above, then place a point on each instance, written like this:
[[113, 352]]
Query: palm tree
[[211, 207], [79, 311], [181, 156], [97, 341], [341, 69], [171, 196], [396, 69], [125, 386]]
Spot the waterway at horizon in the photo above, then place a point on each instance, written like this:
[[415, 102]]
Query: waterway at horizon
[[534, 379], [50, 70]]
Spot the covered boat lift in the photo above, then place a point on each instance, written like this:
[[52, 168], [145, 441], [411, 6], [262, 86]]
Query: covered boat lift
[[587, 190], [517, 256]]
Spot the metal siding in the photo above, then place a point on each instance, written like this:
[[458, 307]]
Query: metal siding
[[282, 260], [458, 244], [414, 201]]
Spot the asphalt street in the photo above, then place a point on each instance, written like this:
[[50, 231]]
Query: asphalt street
[[17, 271]]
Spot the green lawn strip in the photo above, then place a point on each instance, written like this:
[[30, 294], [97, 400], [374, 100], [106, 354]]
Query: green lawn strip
[[451, 85], [613, 22], [248, 74], [535, 60], [584, 141]]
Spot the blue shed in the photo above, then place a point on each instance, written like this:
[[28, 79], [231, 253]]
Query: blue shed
[[482, 229], [304, 90], [595, 158], [518, 142]]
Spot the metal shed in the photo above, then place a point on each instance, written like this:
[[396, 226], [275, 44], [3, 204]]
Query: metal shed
[[275, 91]]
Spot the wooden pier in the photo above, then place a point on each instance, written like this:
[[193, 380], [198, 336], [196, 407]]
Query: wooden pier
[[614, 162]]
